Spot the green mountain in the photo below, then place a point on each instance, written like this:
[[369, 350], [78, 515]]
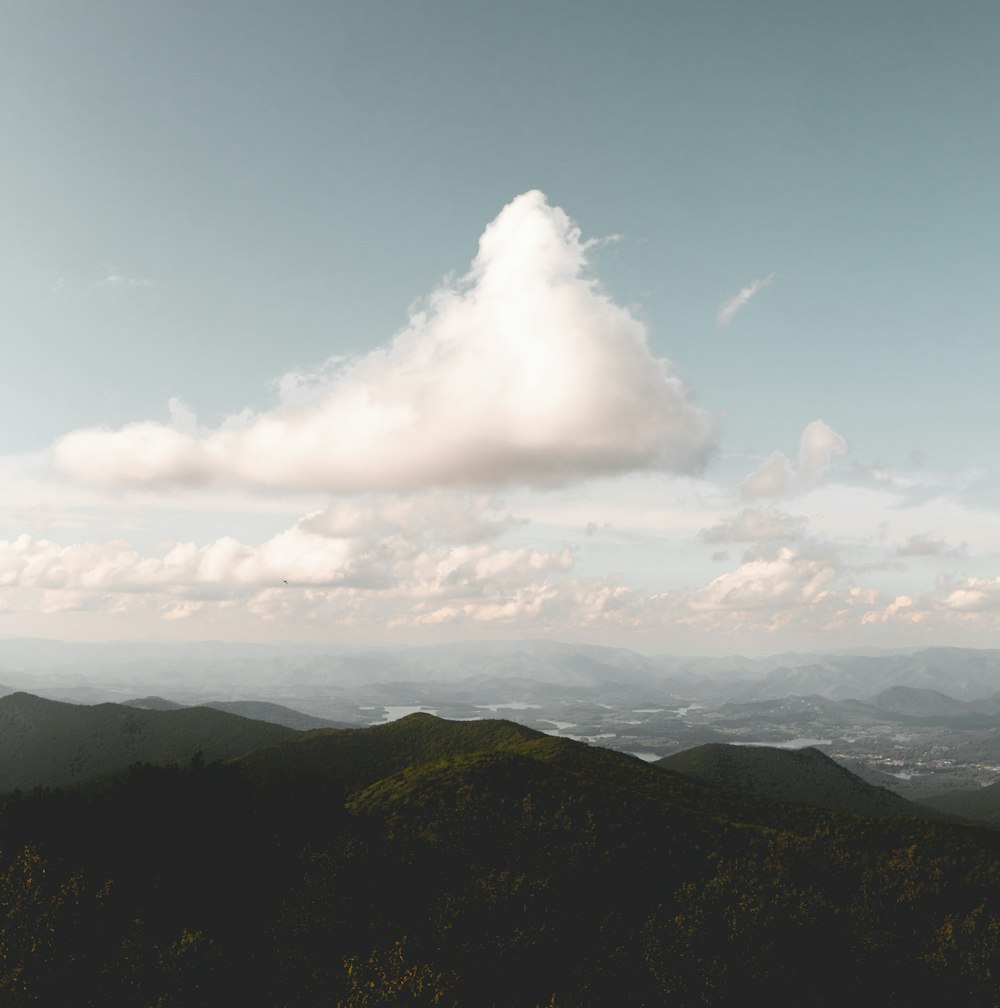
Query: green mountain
[[256, 710], [52, 744], [272, 713], [478, 865], [154, 703], [799, 776], [345, 761], [981, 803]]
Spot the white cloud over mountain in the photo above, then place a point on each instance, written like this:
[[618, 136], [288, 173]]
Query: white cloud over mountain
[[523, 371]]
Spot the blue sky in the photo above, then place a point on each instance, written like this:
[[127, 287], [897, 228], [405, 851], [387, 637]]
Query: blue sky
[[268, 214]]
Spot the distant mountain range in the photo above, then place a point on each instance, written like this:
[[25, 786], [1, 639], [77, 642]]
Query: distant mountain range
[[488, 671]]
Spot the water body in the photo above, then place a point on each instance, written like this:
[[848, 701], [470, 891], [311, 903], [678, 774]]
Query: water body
[[795, 743], [513, 705]]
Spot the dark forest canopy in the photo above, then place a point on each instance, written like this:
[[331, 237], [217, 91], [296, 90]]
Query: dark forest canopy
[[428, 862]]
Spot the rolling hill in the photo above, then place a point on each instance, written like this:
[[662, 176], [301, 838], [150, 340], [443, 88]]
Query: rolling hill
[[426, 862], [52, 744], [798, 776]]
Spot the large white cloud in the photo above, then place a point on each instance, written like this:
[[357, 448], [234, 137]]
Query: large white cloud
[[523, 371]]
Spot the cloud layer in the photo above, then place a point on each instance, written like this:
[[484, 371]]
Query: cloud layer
[[523, 371]]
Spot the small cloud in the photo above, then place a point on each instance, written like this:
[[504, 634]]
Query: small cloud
[[777, 477], [925, 545], [720, 556], [728, 311], [116, 279]]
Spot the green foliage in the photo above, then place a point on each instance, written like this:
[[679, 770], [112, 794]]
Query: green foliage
[[44, 743], [801, 776], [478, 864]]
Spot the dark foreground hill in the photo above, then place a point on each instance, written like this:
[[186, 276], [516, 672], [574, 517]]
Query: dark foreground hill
[[478, 865], [48, 743], [800, 776]]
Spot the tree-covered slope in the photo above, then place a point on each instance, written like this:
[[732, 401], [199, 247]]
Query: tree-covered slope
[[981, 804], [48, 743], [479, 865], [342, 761], [800, 776], [260, 710]]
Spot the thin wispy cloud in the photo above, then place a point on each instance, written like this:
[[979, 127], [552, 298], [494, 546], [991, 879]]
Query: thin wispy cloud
[[728, 311], [114, 278]]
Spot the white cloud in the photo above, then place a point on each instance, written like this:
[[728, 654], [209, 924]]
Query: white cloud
[[755, 525], [116, 279], [522, 372], [790, 579], [777, 477], [728, 311]]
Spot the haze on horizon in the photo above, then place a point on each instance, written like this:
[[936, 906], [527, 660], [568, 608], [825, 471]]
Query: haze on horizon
[[670, 327]]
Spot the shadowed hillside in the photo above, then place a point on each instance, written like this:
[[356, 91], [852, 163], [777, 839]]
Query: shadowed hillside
[[480, 865], [52, 744], [981, 804], [799, 776]]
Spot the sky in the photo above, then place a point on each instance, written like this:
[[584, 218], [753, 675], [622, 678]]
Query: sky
[[667, 325]]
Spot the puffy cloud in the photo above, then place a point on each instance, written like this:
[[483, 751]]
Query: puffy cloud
[[901, 609], [728, 311], [971, 595], [777, 477], [790, 579], [755, 525], [523, 371]]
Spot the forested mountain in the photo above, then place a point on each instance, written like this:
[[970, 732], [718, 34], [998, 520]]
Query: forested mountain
[[48, 743], [427, 862], [800, 776], [256, 710]]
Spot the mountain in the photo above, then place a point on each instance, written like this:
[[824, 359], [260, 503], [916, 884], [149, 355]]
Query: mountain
[[427, 862], [799, 776], [154, 703], [259, 710], [981, 804], [433, 862], [917, 702], [52, 744], [344, 761], [256, 710]]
